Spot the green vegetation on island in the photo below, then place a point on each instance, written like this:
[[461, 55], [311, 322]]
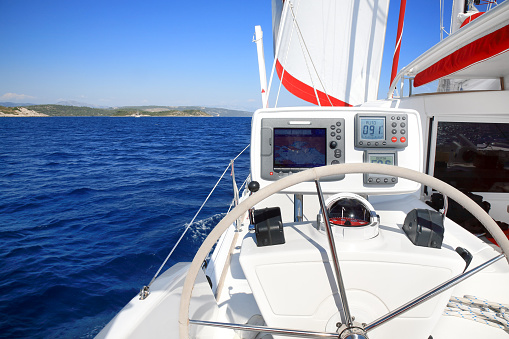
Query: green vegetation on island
[[77, 111], [9, 110]]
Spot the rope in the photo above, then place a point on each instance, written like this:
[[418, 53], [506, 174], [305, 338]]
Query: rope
[[481, 310], [144, 291]]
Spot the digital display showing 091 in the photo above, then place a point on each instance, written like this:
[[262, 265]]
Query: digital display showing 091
[[372, 128]]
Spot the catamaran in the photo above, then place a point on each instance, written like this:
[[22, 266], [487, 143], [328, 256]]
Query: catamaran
[[362, 218]]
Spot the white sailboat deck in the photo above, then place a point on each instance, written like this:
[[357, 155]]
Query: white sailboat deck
[[294, 294], [295, 285]]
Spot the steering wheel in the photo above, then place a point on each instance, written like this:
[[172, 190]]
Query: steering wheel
[[315, 174]]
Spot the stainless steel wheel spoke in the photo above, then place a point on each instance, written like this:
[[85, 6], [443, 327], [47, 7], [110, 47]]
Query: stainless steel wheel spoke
[[334, 254], [431, 293], [265, 329]]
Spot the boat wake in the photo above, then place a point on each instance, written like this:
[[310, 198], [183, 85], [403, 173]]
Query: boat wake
[[200, 229]]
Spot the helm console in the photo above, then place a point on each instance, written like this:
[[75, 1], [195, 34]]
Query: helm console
[[289, 140]]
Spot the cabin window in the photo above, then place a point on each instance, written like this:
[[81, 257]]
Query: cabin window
[[473, 157]]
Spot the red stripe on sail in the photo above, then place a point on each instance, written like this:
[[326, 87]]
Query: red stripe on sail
[[306, 92], [471, 18], [399, 35], [481, 49]]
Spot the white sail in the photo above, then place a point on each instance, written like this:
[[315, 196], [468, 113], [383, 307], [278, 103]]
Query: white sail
[[330, 52]]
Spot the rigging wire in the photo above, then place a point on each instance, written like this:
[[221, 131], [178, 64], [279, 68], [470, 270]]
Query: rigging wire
[[286, 55], [304, 55], [289, 4], [302, 42], [278, 45], [232, 203], [442, 28], [145, 290], [441, 19]]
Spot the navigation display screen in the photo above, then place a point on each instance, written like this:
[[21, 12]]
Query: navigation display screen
[[299, 147], [372, 128], [380, 158]]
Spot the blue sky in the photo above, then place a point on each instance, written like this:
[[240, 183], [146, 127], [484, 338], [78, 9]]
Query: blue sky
[[154, 52]]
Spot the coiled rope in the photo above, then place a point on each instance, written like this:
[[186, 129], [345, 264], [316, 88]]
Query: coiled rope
[[145, 290], [480, 310]]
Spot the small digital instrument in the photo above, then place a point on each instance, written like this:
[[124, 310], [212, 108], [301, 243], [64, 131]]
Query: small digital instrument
[[381, 130], [380, 157], [380, 135]]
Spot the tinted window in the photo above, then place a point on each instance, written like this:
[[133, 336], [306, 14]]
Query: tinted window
[[473, 157]]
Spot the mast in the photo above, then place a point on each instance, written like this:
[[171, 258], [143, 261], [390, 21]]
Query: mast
[[458, 6], [258, 39]]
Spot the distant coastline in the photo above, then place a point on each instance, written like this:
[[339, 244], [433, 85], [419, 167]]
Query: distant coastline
[[19, 112], [127, 111]]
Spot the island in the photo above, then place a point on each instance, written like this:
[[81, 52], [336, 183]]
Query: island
[[77, 111], [19, 112]]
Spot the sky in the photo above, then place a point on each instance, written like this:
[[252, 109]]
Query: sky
[[159, 52]]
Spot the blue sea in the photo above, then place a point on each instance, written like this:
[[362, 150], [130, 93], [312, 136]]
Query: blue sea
[[90, 208]]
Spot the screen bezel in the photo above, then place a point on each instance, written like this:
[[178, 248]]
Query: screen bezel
[[314, 132]]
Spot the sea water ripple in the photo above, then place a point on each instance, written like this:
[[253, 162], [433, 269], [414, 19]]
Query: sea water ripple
[[90, 207]]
